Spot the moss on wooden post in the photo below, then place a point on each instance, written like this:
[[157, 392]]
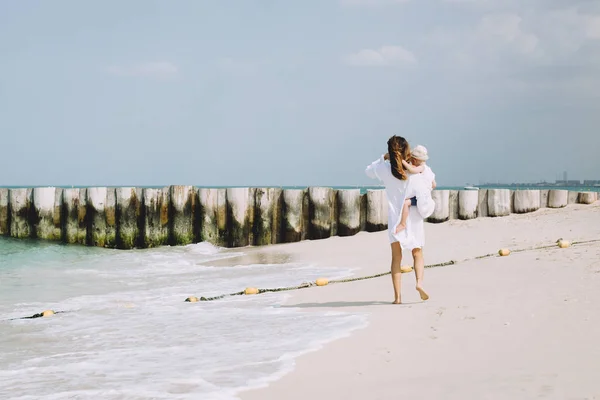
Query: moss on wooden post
[[267, 219], [110, 213], [294, 225], [73, 216], [46, 215], [182, 215], [155, 215], [96, 216], [128, 217], [240, 216], [4, 215], [19, 201]]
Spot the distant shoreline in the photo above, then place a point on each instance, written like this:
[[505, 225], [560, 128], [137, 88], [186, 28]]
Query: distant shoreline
[[363, 188]]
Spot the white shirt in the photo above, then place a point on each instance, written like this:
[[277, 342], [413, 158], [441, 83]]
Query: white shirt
[[428, 174], [395, 189], [396, 192]]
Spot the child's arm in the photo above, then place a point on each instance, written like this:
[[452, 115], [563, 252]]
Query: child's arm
[[412, 169], [433, 184]]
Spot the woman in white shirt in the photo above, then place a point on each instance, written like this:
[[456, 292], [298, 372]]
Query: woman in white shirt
[[398, 187]]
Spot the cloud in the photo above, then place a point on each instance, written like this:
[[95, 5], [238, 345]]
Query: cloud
[[493, 41], [156, 70], [592, 27], [382, 57], [506, 29], [353, 3]]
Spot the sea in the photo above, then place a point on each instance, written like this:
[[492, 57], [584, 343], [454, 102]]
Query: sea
[[364, 189], [124, 330]]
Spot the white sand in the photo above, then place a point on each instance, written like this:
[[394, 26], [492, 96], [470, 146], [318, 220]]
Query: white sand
[[519, 327]]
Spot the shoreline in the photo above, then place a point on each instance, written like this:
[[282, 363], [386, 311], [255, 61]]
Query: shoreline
[[359, 365]]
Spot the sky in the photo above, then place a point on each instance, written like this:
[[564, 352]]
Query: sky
[[274, 92]]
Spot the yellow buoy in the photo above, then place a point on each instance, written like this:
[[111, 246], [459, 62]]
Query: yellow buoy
[[251, 290], [322, 281], [406, 268], [191, 299], [563, 244], [504, 252], [48, 313]]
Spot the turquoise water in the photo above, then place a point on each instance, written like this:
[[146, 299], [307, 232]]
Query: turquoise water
[[363, 189], [127, 333]]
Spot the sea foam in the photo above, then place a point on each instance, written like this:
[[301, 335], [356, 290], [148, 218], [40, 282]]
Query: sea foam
[[127, 334]]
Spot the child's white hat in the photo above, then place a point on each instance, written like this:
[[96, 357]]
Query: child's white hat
[[420, 153]]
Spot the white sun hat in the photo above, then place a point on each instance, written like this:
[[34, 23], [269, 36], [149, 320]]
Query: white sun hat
[[420, 153]]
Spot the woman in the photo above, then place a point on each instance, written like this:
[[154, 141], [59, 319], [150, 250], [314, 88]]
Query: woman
[[399, 185]]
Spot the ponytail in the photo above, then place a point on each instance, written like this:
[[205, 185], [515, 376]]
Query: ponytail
[[399, 150]]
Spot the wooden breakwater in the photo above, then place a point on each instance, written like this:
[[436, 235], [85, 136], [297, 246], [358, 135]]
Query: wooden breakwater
[[129, 217]]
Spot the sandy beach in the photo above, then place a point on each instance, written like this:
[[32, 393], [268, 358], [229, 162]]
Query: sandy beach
[[518, 327]]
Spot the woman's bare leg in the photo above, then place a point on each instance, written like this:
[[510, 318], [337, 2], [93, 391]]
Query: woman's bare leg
[[402, 225], [419, 271], [396, 273]]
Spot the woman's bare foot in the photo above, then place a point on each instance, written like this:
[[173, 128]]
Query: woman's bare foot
[[397, 301], [400, 227], [424, 295]]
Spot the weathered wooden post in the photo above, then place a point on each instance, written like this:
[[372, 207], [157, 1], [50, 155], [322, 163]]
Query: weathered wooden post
[[468, 200], [96, 216], [4, 215], [110, 213], [377, 211], [321, 212], [20, 209], [482, 207], [182, 215], [240, 216], [442, 206], [526, 201], [587, 197], [294, 223], [558, 198], [213, 216], [128, 217], [267, 218], [74, 216], [363, 212], [46, 219], [499, 202], [544, 194], [349, 212], [572, 197], [453, 204], [155, 217]]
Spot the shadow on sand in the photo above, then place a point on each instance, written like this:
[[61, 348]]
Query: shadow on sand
[[341, 304]]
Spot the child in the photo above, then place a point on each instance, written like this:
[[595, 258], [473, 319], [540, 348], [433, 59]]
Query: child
[[419, 156]]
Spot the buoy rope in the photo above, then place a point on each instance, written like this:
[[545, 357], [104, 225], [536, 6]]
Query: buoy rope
[[361, 278], [346, 280], [38, 315]]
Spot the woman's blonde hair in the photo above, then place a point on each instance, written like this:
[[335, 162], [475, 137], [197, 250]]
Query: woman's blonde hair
[[398, 150]]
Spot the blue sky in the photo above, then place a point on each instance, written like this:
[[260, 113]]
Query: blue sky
[[249, 92]]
